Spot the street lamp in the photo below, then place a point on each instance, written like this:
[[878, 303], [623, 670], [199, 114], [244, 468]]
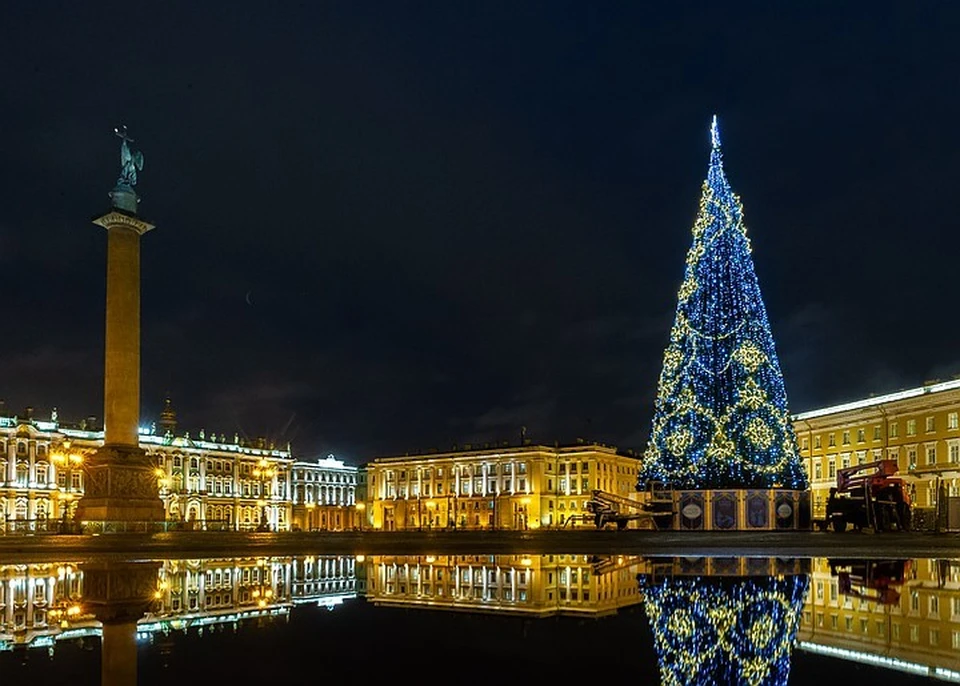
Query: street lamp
[[360, 507], [68, 462], [264, 472]]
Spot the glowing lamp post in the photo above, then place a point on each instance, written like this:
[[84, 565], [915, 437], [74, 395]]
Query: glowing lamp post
[[311, 506], [264, 472], [360, 507], [67, 462]]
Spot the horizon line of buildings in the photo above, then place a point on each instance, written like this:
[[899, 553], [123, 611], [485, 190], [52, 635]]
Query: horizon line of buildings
[[214, 482]]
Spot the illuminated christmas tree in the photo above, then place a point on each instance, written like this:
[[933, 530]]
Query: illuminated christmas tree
[[721, 418], [711, 630]]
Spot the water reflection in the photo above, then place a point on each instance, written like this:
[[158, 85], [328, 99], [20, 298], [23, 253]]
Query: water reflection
[[713, 620], [730, 621]]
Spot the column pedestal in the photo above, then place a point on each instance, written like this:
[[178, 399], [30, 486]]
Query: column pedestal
[[121, 486]]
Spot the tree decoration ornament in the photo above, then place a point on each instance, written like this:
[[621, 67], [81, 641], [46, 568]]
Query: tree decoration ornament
[[721, 418], [721, 630]]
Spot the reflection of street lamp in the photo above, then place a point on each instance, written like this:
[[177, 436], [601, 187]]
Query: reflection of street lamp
[[263, 594], [67, 607], [68, 462], [264, 472], [360, 507]]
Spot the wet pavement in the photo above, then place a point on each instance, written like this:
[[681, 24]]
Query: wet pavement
[[792, 544]]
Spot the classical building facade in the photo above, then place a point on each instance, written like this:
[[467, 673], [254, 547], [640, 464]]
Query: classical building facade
[[204, 481], [520, 487], [537, 585], [902, 614], [44, 603], [325, 495], [918, 427]]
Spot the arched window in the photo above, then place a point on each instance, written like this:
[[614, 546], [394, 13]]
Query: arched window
[[42, 471], [23, 473], [41, 450], [194, 463], [21, 510], [41, 509], [21, 448]]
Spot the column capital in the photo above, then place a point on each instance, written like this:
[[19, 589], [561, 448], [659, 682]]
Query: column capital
[[119, 218]]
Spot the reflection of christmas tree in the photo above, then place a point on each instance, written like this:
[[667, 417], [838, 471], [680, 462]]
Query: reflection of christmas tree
[[721, 417], [724, 630]]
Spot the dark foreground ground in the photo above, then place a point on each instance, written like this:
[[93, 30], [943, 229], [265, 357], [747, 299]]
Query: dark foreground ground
[[693, 544]]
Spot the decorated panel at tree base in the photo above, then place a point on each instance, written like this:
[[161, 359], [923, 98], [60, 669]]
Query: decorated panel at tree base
[[741, 510]]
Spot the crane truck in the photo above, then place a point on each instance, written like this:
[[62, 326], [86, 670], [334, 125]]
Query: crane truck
[[868, 496]]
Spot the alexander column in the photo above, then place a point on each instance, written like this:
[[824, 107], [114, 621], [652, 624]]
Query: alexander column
[[121, 484]]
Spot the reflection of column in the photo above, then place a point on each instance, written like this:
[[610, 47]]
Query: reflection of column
[[118, 594]]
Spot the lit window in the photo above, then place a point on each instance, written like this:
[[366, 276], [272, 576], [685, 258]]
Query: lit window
[[876, 433], [952, 421], [894, 429], [816, 442], [911, 427], [932, 454], [832, 440], [846, 438], [931, 424], [955, 452], [861, 435]]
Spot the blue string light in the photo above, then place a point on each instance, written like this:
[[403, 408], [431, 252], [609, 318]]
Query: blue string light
[[721, 418]]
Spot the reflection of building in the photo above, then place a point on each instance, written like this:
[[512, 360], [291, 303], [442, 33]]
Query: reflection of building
[[43, 603], [495, 487], [324, 495], [919, 427], [539, 585], [207, 480], [724, 629], [912, 626]]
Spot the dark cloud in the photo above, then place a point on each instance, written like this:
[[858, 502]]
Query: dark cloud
[[456, 220]]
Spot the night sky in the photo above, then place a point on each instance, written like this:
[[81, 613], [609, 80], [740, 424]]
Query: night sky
[[389, 226]]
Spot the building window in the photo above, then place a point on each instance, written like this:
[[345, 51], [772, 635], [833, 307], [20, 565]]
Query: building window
[[952, 421], [894, 429], [832, 469], [861, 435], [912, 458], [845, 460], [846, 438], [931, 454], [817, 470], [876, 433], [832, 440], [911, 427], [806, 444], [931, 424], [955, 453], [816, 442]]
